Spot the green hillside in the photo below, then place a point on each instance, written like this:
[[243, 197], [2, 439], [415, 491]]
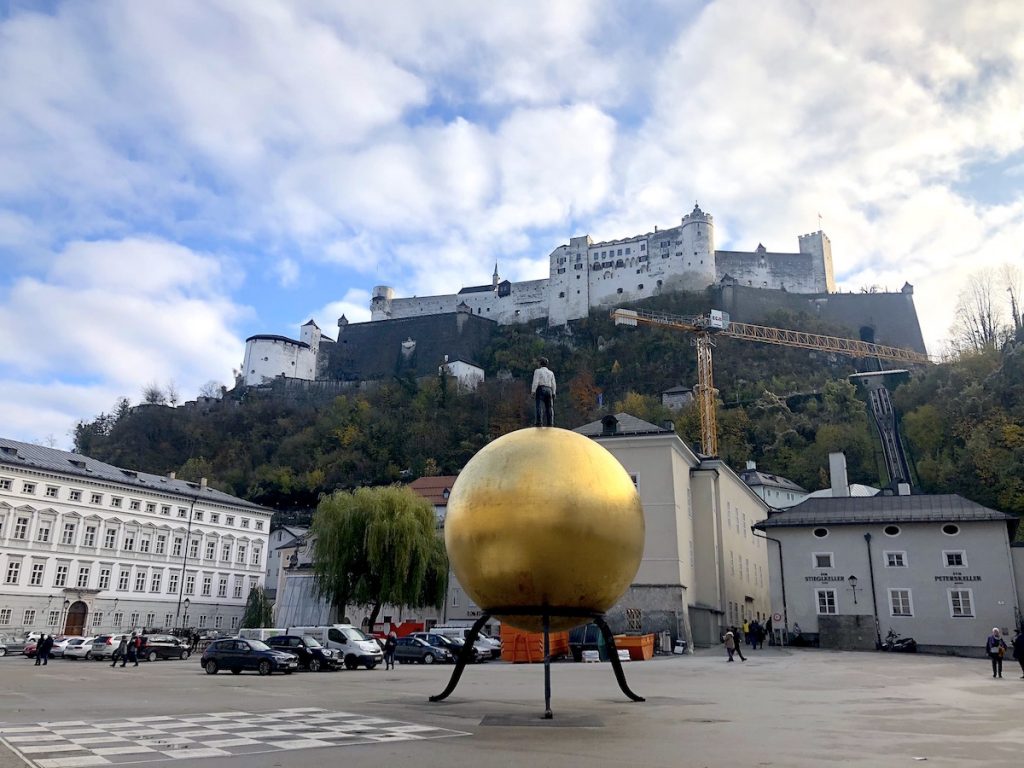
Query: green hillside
[[784, 408]]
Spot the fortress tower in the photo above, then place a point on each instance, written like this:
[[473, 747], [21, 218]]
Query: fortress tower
[[697, 234], [819, 246], [380, 304]]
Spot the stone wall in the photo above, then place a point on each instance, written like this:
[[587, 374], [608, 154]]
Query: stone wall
[[662, 608], [847, 632]]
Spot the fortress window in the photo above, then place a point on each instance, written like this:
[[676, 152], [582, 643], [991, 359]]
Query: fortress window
[[643, 246], [627, 251], [561, 294], [640, 287], [659, 283], [620, 252], [618, 290]]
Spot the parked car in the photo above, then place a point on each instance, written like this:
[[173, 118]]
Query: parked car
[[163, 647], [238, 654], [451, 644], [351, 642], [412, 649], [585, 638], [79, 649], [488, 647], [310, 654], [12, 646], [30, 648], [60, 643], [103, 646]]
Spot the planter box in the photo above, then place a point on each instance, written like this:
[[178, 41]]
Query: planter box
[[640, 647]]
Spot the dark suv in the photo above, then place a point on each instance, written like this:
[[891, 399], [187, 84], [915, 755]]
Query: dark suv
[[163, 647], [452, 645], [237, 654], [310, 653]]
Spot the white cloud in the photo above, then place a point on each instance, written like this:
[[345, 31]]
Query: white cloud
[[287, 272], [355, 306]]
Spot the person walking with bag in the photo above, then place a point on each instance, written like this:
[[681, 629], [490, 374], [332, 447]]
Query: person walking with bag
[[995, 647]]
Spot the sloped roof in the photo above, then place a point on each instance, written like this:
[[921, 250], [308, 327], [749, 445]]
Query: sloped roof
[[848, 510], [754, 478], [17, 454], [627, 425], [433, 488]]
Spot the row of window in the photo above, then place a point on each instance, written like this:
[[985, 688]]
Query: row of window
[[951, 558], [901, 603], [132, 541], [949, 529], [143, 577], [28, 620], [743, 564], [135, 505]]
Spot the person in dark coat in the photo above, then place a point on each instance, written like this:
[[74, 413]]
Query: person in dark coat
[[389, 650], [132, 653], [43, 646], [1018, 650], [120, 651]]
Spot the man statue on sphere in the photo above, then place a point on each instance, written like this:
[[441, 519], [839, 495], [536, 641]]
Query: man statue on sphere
[[543, 390]]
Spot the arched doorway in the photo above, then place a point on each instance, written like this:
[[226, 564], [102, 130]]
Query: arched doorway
[[74, 624]]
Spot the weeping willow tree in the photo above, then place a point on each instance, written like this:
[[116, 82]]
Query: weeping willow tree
[[378, 546]]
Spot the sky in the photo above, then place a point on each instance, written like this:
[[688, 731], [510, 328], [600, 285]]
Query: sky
[[176, 177]]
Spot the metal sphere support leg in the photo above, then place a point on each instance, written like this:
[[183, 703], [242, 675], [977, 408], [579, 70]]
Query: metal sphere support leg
[[609, 641], [547, 667], [465, 657]]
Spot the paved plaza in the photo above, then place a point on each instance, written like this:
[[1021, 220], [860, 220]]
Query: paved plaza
[[780, 708]]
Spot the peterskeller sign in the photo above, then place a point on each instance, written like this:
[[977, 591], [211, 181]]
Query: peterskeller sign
[[958, 578]]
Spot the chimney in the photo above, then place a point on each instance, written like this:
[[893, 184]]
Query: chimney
[[202, 483], [171, 475], [751, 465], [837, 471], [903, 489]]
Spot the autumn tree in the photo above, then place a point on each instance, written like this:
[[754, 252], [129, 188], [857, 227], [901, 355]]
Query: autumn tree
[[378, 546]]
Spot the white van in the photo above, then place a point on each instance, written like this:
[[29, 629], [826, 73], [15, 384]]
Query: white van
[[347, 640], [488, 647], [260, 633]]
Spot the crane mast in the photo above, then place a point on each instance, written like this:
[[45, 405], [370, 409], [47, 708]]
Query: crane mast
[[718, 323]]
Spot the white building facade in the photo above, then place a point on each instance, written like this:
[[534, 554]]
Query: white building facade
[[86, 547], [268, 357], [935, 568]]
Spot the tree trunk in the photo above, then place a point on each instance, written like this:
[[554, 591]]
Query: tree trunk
[[373, 615]]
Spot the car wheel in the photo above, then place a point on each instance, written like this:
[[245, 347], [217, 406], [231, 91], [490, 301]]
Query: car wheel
[[264, 668], [88, 654], [428, 659], [211, 667], [314, 665], [371, 664], [288, 671], [3, 651], [152, 656], [185, 655], [236, 671], [351, 662]]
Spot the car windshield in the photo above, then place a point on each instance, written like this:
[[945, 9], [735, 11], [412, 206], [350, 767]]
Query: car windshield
[[310, 641], [258, 645], [354, 634]]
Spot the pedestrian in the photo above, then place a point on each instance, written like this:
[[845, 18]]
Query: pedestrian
[[746, 631], [1018, 649], [131, 651], [737, 642], [390, 642], [995, 647], [45, 647], [40, 649], [120, 652], [543, 391], [730, 645], [768, 631]]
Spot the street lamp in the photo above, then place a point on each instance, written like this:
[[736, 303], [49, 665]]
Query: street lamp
[[852, 580], [67, 606], [185, 605]]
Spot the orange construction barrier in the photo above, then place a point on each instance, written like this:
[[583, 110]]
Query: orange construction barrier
[[528, 647]]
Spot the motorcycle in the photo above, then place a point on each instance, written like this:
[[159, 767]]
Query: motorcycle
[[894, 642]]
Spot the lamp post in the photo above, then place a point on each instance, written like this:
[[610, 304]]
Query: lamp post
[[67, 607], [852, 580], [185, 605]]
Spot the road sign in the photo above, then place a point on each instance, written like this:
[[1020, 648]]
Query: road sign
[[776, 617]]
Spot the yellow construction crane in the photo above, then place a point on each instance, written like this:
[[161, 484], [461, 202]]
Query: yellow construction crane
[[718, 323]]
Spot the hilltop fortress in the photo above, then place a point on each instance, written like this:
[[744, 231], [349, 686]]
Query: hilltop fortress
[[414, 335], [585, 275]]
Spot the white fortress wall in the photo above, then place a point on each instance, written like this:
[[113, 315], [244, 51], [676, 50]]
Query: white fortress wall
[[268, 358], [422, 305]]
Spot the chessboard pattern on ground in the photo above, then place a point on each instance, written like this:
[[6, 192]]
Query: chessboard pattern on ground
[[76, 743]]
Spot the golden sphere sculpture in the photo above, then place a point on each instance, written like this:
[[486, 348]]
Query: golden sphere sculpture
[[544, 518]]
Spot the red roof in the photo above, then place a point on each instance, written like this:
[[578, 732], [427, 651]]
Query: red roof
[[434, 489]]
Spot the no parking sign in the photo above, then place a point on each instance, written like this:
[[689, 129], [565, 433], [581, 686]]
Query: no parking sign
[[776, 617]]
